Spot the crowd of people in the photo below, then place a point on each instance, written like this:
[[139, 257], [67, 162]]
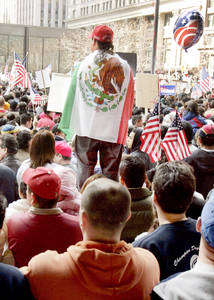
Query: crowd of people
[[132, 230]]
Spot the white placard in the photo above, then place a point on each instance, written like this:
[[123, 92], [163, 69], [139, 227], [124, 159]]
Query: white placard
[[43, 78], [147, 90], [60, 84]]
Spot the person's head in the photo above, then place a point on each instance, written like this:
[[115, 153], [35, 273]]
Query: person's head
[[11, 116], [192, 106], [173, 185], [22, 107], [43, 187], [90, 179], [206, 136], [26, 120], [9, 129], [137, 120], [211, 104], [23, 190], [105, 209], [42, 148], [102, 38], [24, 99], [188, 131], [205, 225], [17, 94], [3, 206], [23, 139], [2, 102], [57, 131], [63, 152], [132, 172], [9, 143]]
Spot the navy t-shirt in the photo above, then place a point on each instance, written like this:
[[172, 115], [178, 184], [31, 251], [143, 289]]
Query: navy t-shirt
[[13, 285], [175, 246]]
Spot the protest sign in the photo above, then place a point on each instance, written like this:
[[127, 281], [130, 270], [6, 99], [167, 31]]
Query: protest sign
[[43, 78], [147, 90], [59, 87], [167, 90]]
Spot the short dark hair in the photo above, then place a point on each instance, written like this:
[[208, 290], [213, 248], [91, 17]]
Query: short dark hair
[[24, 118], [174, 185], [188, 130], [23, 138], [23, 188], [105, 46], [9, 142], [107, 204], [11, 116], [3, 205], [56, 129], [211, 104], [44, 203], [132, 170], [136, 118], [17, 94], [22, 107]]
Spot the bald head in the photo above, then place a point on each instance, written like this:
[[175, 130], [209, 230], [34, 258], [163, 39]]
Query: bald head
[[107, 204]]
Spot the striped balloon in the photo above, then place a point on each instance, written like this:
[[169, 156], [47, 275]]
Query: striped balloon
[[188, 29]]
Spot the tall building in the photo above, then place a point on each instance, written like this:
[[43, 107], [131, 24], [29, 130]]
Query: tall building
[[47, 13], [140, 15]]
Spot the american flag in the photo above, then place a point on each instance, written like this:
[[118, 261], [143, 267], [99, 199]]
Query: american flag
[[151, 137], [175, 143], [204, 81], [36, 98], [21, 75]]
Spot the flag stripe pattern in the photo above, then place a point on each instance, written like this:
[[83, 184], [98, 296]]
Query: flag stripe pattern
[[150, 138], [188, 29], [205, 81], [21, 75], [36, 98], [175, 143]]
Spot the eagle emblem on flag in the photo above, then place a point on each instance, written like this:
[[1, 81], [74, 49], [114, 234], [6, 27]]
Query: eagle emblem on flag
[[102, 84]]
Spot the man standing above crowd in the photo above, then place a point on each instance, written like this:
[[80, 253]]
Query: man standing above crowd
[[101, 267], [98, 107]]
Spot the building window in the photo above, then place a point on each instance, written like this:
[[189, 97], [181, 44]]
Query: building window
[[42, 13], [57, 14], [49, 13], [167, 19], [167, 51], [211, 3], [210, 20]]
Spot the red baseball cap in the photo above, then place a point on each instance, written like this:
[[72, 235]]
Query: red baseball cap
[[63, 148], [102, 33], [42, 182]]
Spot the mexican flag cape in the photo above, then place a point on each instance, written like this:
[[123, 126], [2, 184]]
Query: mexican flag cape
[[100, 99]]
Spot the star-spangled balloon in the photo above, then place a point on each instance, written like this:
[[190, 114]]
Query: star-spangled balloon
[[188, 29]]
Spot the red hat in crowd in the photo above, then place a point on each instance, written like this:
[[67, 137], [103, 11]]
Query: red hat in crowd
[[102, 33], [42, 182], [63, 148]]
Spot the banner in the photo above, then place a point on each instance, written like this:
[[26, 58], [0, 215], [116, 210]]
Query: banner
[[168, 90], [43, 79], [59, 87]]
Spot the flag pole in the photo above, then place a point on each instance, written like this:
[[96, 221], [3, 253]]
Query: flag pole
[[43, 82], [154, 48]]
